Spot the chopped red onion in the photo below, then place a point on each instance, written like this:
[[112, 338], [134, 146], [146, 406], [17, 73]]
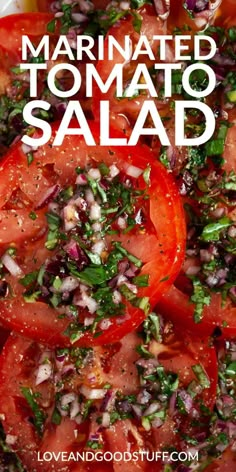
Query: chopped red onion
[[172, 403], [68, 369], [221, 447], [143, 397], [133, 171], [88, 320], [108, 400], [232, 232], [137, 410], [85, 301], [95, 211], [67, 399], [222, 273], [70, 216], [187, 400], [155, 406], [232, 292], [94, 173], [81, 180], [131, 287], [94, 436], [123, 265], [162, 8], [191, 233], [171, 156], [190, 4], [89, 195], [183, 468], [121, 222], [218, 212], [85, 5], [96, 227], [44, 373], [106, 419], [191, 252], [157, 423], [116, 297], [98, 247], [223, 60], [26, 149], [132, 271], [49, 195], [54, 207], [139, 217], [79, 17], [81, 203], [205, 255], [193, 270], [11, 265], [69, 284], [93, 393], [212, 280], [74, 408], [73, 250], [121, 279], [60, 357], [11, 439], [105, 324], [113, 171], [149, 364]]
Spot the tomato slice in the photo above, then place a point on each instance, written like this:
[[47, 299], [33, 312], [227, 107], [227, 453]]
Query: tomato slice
[[230, 164], [24, 375], [33, 25], [225, 462], [159, 244], [218, 320], [125, 111]]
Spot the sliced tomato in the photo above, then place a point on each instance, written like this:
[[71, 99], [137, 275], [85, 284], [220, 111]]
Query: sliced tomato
[[229, 156], [8, 59], [124, 111], [34, 25], [225, 462], [160, 247], [226, 14], [24, 356], [19, 369], [217, 319]]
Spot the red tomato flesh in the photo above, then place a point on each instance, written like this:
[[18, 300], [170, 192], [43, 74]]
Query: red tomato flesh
[[160, 246], [19, 364], [217, 319]]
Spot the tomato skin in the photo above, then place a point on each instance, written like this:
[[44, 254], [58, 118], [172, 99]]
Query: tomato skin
[[166, 216], [176, 306]]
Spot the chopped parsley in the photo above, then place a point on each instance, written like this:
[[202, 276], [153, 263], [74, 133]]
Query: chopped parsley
[[39, 417]]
